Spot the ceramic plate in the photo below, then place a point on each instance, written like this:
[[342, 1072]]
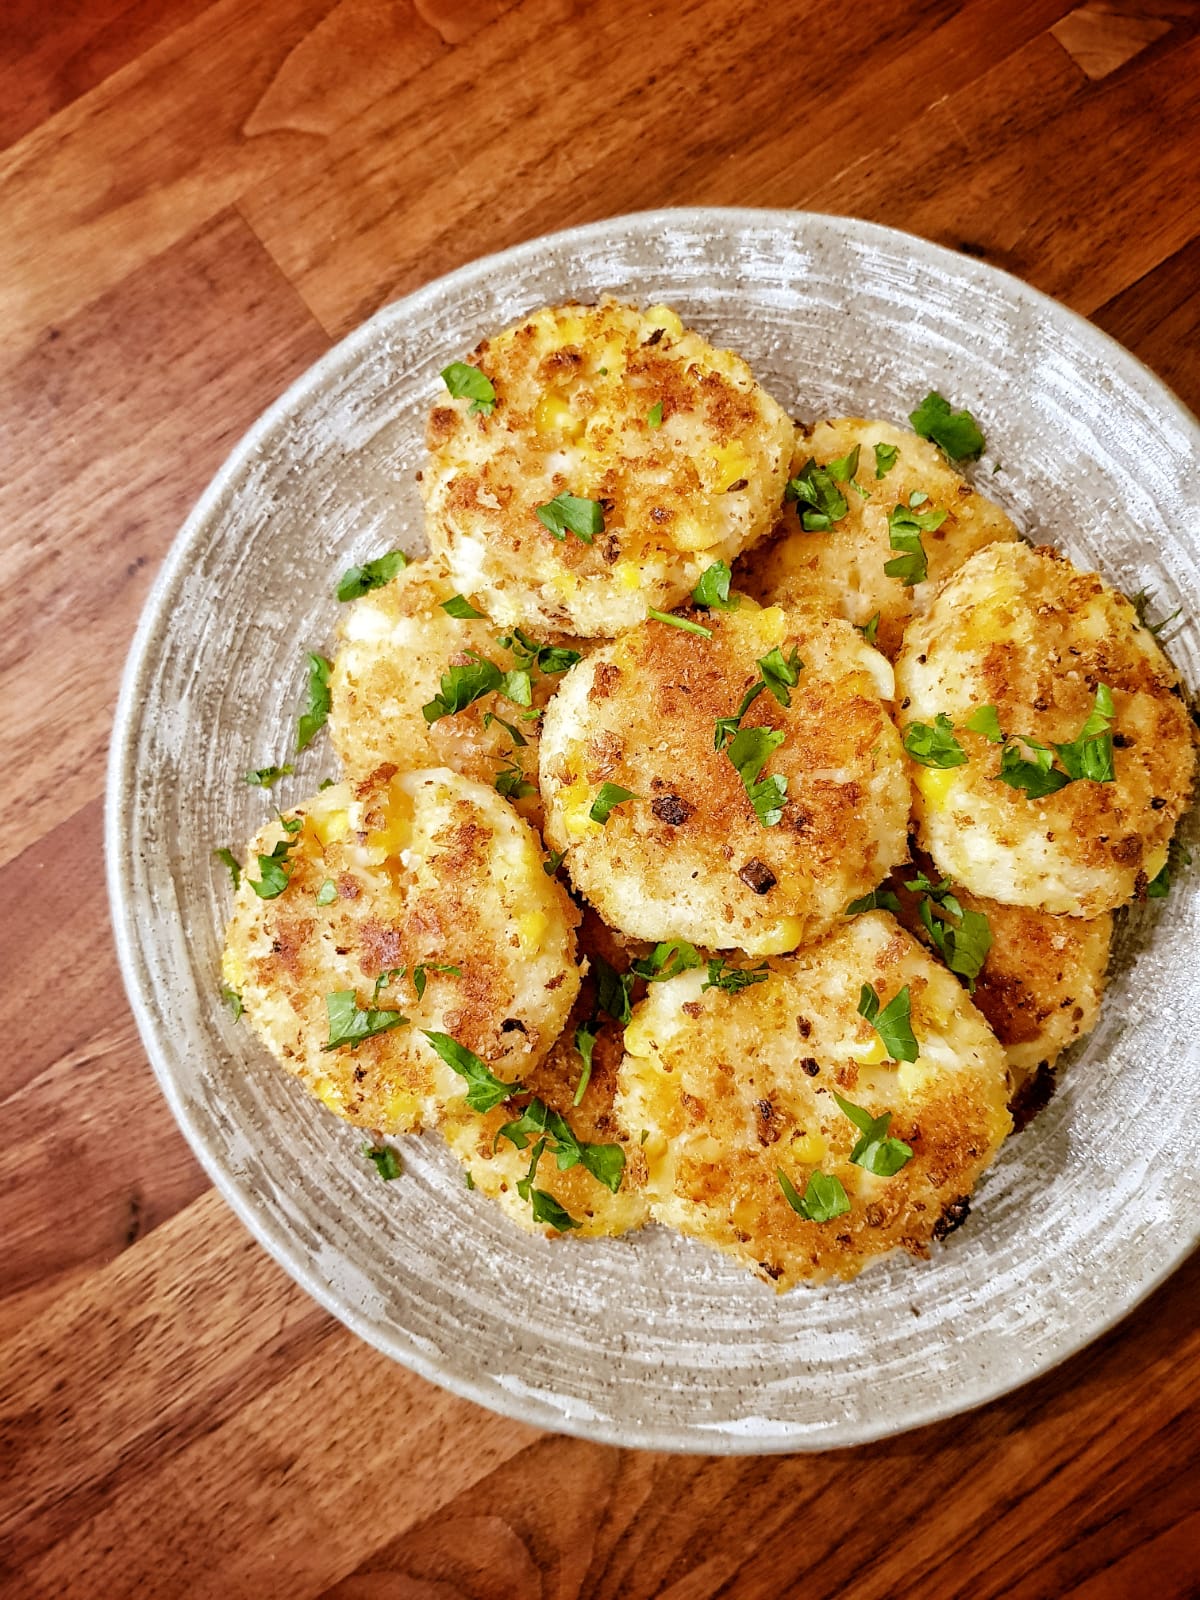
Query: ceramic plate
[[654, 1340]]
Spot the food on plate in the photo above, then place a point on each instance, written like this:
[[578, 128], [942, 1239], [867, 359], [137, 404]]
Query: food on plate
[[1052, 750], [420, 679], [589, 463], [840, 1108], [734, 786], [875, 519], [376, 914]]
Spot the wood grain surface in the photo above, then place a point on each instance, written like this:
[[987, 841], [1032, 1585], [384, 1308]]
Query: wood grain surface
[[197, 199]]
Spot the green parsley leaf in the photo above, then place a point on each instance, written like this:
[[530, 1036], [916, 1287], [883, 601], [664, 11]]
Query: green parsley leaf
[[468, 383], [779, 675], [553, 861], [905, 527], [1037, 777], [568, 513], [462, 686], [612, 990], [721, 975], [667, 960], [512, 783], [815, 489], [233, 1000], [517, 685], [654, 415], [357, 581], [384, 1159], [712, 591], [460, 608], [1141, 602], [877, 900], [605, 1162], [326, 783], [875, 1152], [610, 795], [933, 744], [956, 432], [892, 1023], [470, 1180], [484, 1089], [727, 726], [885, 458], [553, 659], [987, 722], [547, 1209], [265, 777], [844, 468], [1090, 756], [514, 733], [327, 893], [1178, 857], [530, 1125], [350, 1023], [687, 625], [962, 940], [586, 1035], [823, 1199], [312, 718], [749, 750], [869, 630], [423, 967], [227, 857], [290, 824], [274, 871]]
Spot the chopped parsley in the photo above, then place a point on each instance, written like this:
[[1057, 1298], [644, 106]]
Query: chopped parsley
[[815, 491], [357, 581], [586, 1035], [962, 938], [885, 458], [610, 795], [1037, 777], [605, 1162], [265, 777], [546, 1209], [875, 1152], [1178, 857], [350, 1023], [721, 975], [712, 591], [568, 513], [312, 718], [905, 526], [512, 783], [843, 469], [460, 608], [420, 979], [612, 990], [462, 685], [933, 744], [468, 383], [878, 900], [685, 623], [667, 960], [327, 893], [987, 722], [233, 1000], [955, 432], [553, 861], [529, 654], [1090, 756], [892, 1023], [823, 1198], [749, 750], [1141, 602], [384, 1159], [869, 629], [484, 1089], [654, 415], [470, 1179], [227, 857], [780, 675], [274, 871]]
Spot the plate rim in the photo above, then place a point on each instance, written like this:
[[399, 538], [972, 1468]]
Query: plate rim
[[269, 1231]]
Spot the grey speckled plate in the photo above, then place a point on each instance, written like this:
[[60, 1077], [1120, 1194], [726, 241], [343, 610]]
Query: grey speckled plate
[[654, 1340]]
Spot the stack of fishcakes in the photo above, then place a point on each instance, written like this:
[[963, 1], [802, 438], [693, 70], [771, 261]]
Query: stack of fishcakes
[[745, 901]]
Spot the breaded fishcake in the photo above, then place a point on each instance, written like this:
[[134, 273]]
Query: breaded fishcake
[[396, 645], [736, 1087], [683, 453], [689, 857], [843, 565], [1021, 630], [1042, 980], [497, 1165], [421, 869]]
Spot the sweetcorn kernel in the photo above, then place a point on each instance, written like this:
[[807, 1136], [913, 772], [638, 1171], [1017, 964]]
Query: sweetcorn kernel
[[782, 935], [936, 785]]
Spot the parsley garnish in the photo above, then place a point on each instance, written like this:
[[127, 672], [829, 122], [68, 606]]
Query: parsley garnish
[[225, 855], [877, 900], [384, 1159], [350, 1023], [687, 625], [357, 581], [544, 1206], [712, 591], [605, 1162], [815, 489], [528, 653], [470, 1179], [586, 1035], [956, 432], [905, 526], [1178, 857], [654, 415], [1038, 777], [749, 750], [823, 1199], [875, 1152], [233, 1000], [484, 1089], [733, 979], [667, 960], [553, 861], [779, 675], [462, 685], [843, 469], [568, 513], [327, 893], [460, 608], [512, 783], [963, 939], [274, 871], [265, 777], [514, 733], [933, 744], [612, 990], [869, 629], [1141, 602], [987, 722], [610, 795], [885, 458], [423, 967], [892, 1023], [468, 383], [312, 719], [1090, 756]]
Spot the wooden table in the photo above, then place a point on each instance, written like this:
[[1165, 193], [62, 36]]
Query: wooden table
[[197, 198]]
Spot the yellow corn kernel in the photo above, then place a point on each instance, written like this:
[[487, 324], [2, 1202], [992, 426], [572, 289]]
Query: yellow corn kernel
[[576, 801], [913, 1076], [396, 833], [329, 1093], [565, 582], [638, 1039], [628, 575], [730, 464], [663, 317], [936, 785], [768, 626], [779, 936], [869, 1053], [689, 533], [232, 969], [531, 928], [553, 414], [1155, 862], [810, 1148], [404, 1108]]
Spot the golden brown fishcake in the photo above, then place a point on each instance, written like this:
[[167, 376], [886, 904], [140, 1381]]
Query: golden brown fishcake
[[396, 644], [403, 870], [689, 857], [684, 452], [1022, 630], [497, 1165], [735, 1088], [843, 566], [1042, 981]]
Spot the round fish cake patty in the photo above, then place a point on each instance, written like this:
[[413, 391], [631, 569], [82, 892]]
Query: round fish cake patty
[[738, 1087], [843, 565], [396, 645], [689, 857], [1042, 980], [683, 453], [498, 1165], [1021, 630], [421, 869]]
